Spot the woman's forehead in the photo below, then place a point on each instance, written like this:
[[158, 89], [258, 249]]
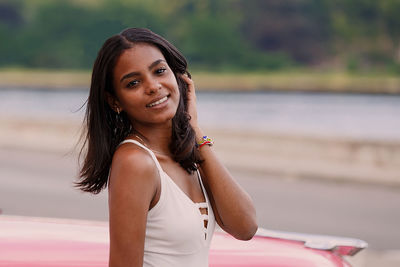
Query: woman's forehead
[[138, 58], [141, 53]]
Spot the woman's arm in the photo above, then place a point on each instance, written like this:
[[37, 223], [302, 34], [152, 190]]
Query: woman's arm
[[132, 187], [234, 210]]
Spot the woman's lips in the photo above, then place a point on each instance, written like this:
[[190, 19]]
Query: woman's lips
[[157, 102]]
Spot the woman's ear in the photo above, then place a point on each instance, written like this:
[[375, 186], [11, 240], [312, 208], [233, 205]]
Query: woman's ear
[[113, 102]]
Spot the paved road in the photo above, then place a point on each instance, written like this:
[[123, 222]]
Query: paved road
[[40, 184], [371, 213]]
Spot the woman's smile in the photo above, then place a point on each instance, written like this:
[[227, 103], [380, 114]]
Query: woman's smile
[[158, 102]]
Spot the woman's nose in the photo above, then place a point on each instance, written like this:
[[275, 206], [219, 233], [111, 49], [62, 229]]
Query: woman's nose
[[152, 86]]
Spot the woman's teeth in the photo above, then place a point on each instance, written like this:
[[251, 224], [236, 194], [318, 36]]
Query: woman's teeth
[[162, 100]]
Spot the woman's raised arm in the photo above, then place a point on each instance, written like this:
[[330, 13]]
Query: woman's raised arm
[[234, 210]]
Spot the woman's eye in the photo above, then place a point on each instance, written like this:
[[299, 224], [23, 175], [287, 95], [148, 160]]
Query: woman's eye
[[161, 70], [132, 83]]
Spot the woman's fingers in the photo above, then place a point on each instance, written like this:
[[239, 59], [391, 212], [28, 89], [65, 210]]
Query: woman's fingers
[[192, 108], [191, 89], [189, 82]]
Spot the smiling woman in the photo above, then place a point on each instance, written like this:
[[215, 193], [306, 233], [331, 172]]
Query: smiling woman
[[145, 87], [167, 188]]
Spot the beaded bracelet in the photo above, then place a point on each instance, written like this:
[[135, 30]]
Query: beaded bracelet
[[205, 141]]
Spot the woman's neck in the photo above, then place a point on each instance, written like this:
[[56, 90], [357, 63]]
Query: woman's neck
[[155, 138]]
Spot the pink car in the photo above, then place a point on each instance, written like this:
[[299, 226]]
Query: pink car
[[34, 242]]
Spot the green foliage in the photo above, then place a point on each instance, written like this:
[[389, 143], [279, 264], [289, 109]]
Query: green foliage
[[299, 28], [394, 68], [212, 34], [391, 13]]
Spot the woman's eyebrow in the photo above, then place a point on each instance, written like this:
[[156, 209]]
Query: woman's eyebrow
[[155, 63], [126, 76], [131, 74]]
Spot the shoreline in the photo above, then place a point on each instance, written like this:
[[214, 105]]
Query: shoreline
[[283, 81], [258, 154]]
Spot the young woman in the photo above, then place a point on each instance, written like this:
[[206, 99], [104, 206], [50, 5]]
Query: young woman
[[167, 188]]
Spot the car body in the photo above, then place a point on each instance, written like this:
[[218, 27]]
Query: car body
[[34, 242]]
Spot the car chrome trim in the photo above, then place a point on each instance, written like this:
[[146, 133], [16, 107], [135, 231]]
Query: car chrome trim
[[320, 242]]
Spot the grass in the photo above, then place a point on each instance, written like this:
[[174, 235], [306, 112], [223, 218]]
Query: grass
[[289, 80], [300, 81], [48, 79]]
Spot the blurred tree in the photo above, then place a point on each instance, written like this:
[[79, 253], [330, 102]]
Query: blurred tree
[[68, 35], [10, 19], [301, 28], [208, 33], [10, 14], [367, 32], [213, 34], [391, 13]]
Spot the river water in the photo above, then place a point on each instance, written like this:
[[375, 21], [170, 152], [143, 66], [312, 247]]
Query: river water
[[361, 116]]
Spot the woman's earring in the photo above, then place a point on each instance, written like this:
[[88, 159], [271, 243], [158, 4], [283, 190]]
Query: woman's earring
[[119, 122], [121, 127]]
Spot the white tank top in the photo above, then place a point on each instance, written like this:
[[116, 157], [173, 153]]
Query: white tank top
[[176, 235]]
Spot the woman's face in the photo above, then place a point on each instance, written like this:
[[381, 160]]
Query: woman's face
[[145, 86]]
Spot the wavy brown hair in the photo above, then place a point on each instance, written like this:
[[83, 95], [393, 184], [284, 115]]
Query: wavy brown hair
[[103, 130]]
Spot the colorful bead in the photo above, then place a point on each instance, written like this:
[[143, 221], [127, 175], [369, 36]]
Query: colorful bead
[[205, 141]]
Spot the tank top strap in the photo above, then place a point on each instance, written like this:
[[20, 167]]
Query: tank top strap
[[145, 148], [202, 185]]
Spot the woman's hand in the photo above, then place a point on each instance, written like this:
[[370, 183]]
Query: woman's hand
[[192, 107], [233, 208]]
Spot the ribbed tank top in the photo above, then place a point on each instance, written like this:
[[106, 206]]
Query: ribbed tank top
[[176, 235]]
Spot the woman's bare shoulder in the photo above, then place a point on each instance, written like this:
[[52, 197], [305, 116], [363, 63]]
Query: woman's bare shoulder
[[132, 188], [133, 164]]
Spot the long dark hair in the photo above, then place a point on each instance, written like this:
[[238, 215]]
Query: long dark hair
[[104, 129]]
